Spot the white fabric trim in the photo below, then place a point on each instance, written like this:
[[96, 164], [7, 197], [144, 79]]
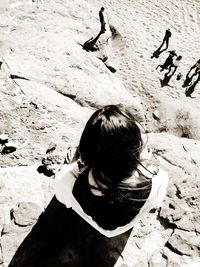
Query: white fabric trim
[[63, 192]]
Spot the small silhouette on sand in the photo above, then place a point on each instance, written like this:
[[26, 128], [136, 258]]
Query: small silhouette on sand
[[190, 89], [175, 64], [165, 41], [102, 21], [188, 79], [168, 61], [196, 68], [90, 45], [169, 64]]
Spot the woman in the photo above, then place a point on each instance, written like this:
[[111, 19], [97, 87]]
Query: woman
[[108, 184], [99, 197], [168, 61], [175, 64]]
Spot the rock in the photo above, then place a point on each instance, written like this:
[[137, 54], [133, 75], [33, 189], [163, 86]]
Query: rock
[[46, 170], [26, 213], [52, 158], [13, 229], [156, 115], [54, 168], [51, 148], [24, 184], [176, 260], [24, 195], [185, 243], [157, 260], [11, 239], [177, 118], [181, 205]]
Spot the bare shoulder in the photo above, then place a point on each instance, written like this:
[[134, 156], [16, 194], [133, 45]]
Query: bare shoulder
[[68, 169]]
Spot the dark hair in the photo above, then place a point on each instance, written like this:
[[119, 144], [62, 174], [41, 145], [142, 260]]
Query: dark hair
[[111, 143], [179, 57]]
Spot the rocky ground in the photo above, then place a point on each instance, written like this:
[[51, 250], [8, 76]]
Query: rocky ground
[[49, 86]]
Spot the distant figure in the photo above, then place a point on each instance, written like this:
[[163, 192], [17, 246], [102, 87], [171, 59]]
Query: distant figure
[[191, 88], [165, 41], [196, 66], [101, 18], [187, 81], [188, 78], [175, 64], [90, 45], [168, 34], [168, 61]]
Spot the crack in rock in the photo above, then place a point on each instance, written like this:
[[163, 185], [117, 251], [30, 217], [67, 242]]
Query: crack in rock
[[178, 192], [175, 250], [166, 223]]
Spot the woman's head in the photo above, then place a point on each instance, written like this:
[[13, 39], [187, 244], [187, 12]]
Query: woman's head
[[111, 142]]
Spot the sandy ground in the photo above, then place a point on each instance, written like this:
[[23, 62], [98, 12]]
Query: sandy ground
[[143, 24]]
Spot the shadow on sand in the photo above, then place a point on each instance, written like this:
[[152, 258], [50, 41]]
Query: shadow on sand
[[165, 81]]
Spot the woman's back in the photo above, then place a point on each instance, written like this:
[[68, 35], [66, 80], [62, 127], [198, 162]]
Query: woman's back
[[113, 211], [109, 186]]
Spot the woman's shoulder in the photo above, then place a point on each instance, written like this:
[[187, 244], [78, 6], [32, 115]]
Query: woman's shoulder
[[160, 177], [68, 169], [65, 180], [159, 187]]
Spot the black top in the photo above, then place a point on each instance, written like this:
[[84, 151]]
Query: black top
[[110, 214]]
